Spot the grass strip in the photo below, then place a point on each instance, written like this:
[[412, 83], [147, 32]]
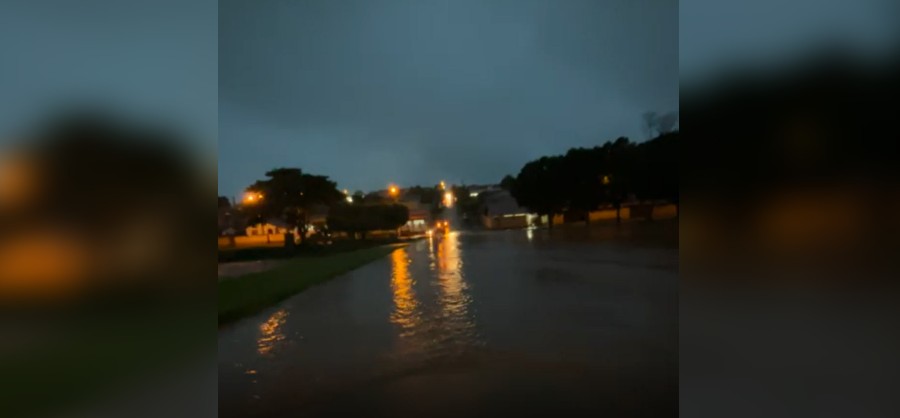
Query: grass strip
[[248, 294]]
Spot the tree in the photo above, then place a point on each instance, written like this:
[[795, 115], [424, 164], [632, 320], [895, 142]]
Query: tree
[[620, 167], [582, 173], [585, 178], [508, 182], [538, 186], [655, 173], [288, 194], [393, 216], [427, 196], [359, 219], [347, 218]]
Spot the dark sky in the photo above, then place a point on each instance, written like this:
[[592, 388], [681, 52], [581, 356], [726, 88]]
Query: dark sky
[[155, 61], [371, 92], [716, 36], [408, 91]]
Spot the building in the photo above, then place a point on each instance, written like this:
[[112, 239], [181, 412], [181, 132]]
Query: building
[[476, 190], [272, 226], [419, 216], [501, 211]]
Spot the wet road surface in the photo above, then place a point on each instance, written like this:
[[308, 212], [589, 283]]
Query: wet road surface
[[575, 322]]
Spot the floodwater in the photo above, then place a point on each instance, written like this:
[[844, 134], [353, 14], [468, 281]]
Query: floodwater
[[575, 321]]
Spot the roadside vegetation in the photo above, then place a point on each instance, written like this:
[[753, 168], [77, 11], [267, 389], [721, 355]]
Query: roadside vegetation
[[227, 255], [584, 179], [250, 293]]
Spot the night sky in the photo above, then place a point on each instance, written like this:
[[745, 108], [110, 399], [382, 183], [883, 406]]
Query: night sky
[[413, 92], [407, 91], [152, 61]]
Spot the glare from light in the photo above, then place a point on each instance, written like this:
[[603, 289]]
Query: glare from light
[[448, 199], [349, 199], [251, 198]]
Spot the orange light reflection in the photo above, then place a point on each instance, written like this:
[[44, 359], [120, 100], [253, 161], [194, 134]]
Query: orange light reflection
[[271, 332], [405, 312]]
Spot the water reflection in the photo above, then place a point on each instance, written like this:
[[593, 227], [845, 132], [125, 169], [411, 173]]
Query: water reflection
[[455, 321], [271, 332], [405, 313], [432, 325], [454, 300], [431, 260]]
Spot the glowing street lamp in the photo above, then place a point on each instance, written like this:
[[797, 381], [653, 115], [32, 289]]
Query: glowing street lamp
[[448, 199], [393, 191], [251, 198]]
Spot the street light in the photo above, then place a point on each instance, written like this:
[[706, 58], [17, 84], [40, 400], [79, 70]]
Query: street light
[[251, 198], [393, 191]]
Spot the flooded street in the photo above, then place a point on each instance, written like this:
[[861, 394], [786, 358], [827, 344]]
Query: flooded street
[[571, 321]]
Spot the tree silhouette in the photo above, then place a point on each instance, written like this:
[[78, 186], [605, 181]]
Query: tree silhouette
[[508, 182], [289, 194], [538, 186], [359, 219], [585, 178]]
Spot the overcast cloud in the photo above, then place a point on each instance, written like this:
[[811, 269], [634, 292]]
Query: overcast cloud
[[418, 91]]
